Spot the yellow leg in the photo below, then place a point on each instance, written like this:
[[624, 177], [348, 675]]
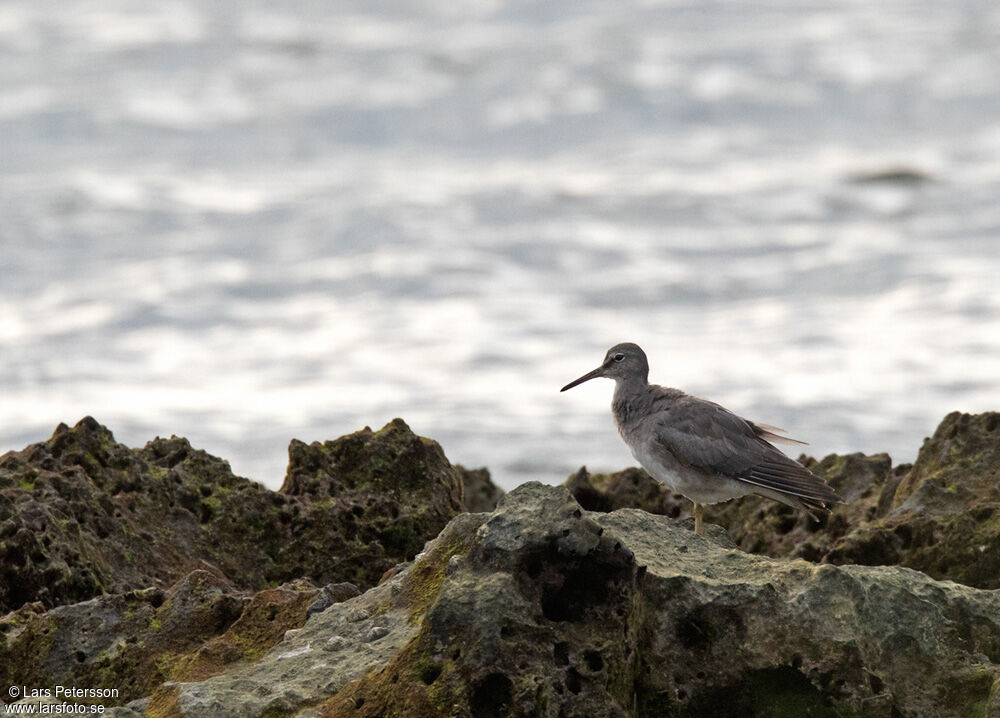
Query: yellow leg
[[699, 512]]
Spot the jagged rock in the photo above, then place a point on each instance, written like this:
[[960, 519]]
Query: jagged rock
[[266, 619], [389, 491], [480, 493], [81, 515], [330, 594], [116, 641], [940, 515], [762, 526], [334, 647], [756, 524], [134, 642], [543, 609], [537, 608], [944, 516], [630, 488]]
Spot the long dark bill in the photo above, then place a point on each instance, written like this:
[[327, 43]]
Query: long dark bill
[[586, 377]]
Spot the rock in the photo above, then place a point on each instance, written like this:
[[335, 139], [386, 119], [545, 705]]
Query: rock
[[943, 518], [553, 611], [266, 619], [133, 642], [334, 647], [139, 705], [480, 493], [119, 641], [388, 491], [330, 594], [631, 488], [763, 526], [81, 515], [940, 515]]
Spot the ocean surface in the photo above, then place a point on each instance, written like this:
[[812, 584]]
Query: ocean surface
[[243, 222]]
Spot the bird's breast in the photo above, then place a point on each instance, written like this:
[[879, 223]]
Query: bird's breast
[[661, 468], [703, 487]]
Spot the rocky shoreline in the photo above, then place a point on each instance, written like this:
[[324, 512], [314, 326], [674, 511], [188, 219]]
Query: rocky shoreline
[[383, 580], [939, 515]]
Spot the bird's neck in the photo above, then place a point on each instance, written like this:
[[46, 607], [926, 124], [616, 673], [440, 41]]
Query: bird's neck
[[629, 394]]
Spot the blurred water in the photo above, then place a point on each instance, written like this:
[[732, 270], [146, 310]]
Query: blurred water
[[241, 223]]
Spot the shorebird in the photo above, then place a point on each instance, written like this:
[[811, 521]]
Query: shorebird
[[698, 448]]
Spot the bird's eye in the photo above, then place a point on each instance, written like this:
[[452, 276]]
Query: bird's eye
[[619, 357]]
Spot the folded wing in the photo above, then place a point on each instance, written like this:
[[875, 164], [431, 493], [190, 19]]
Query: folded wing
[[706, 436]]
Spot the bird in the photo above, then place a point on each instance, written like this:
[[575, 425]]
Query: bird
[[700, 449]]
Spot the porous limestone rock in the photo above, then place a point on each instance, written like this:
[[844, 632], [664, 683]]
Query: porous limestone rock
[[943, 518], [133, 642], [940, 515], [82, 515], [543, 609], [480, 494]]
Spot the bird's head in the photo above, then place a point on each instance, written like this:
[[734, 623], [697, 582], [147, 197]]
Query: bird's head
[[624, 361]]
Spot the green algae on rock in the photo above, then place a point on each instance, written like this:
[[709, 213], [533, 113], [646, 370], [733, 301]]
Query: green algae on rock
[[121, 641], [82, 515], [541, 608], [537, 607], [940, 515], [138, 641], [390, 489], [944, 516]]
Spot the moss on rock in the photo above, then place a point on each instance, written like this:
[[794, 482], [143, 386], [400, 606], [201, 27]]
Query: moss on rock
[[943, 517], [81, 515], [173, 544], [940, 515], [262, 624], [546, 610], [137, 641]]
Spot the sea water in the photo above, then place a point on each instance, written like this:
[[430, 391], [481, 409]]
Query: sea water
[[244, 222]]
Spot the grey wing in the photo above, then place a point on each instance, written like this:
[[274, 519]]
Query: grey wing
[[704, 435]]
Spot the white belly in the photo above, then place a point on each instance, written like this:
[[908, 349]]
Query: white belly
[[699, 486]]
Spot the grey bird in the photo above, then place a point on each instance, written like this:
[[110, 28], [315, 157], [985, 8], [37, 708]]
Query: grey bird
[[698, 448]]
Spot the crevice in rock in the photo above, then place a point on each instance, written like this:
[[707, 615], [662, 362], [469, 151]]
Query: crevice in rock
[[491, 696]]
